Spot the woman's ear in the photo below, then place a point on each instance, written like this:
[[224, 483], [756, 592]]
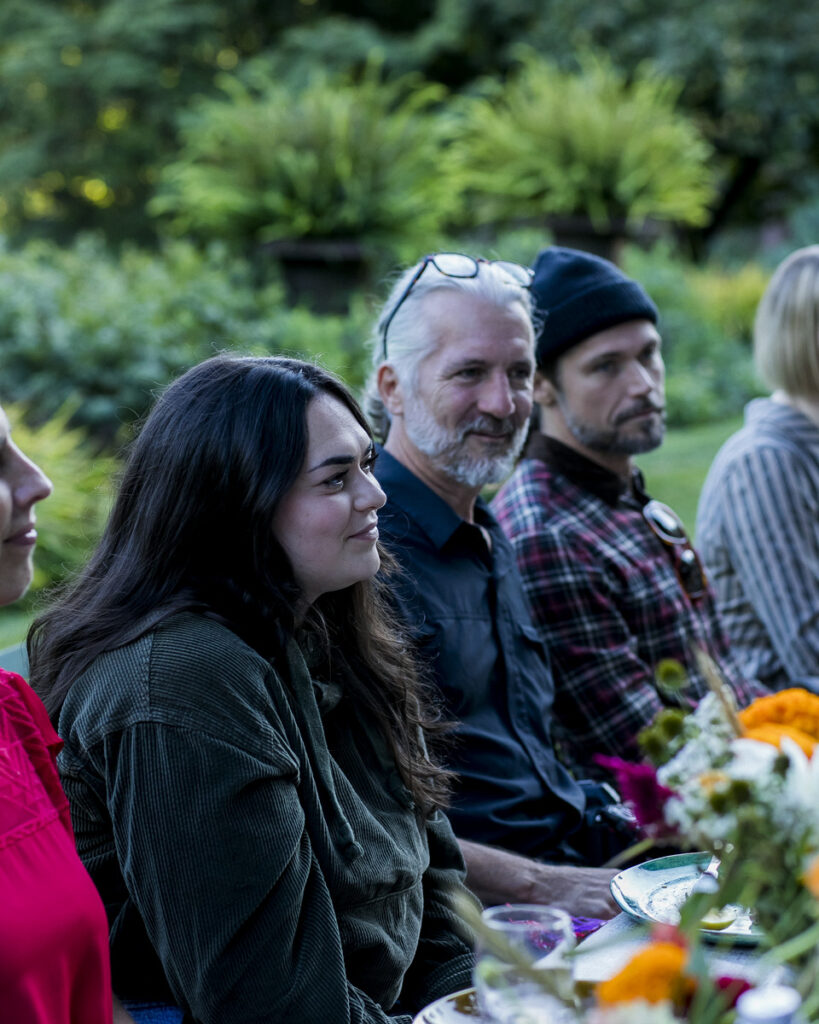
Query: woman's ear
[[544, 392], [389, 388]]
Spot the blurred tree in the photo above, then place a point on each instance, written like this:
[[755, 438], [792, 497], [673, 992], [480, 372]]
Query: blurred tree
[[90, 92], [748, 69], [91, 89], [750, 75], [86, 115]]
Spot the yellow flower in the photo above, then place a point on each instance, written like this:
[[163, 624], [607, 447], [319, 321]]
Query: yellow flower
[[793, 713], [771, 732], [655, 974], [811, 877], [710, 780]]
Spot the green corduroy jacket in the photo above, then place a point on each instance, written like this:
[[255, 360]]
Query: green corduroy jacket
[[258, 856]]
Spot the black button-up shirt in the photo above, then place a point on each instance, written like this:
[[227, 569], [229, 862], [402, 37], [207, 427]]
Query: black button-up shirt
[[465, 603]]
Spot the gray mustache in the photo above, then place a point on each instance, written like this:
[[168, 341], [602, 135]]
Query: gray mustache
[[493, 427]]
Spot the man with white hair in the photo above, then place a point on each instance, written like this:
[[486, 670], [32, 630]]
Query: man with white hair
[[451, 393]]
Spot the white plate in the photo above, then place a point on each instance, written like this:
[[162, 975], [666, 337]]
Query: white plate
[[457, 1008], [655, 891]]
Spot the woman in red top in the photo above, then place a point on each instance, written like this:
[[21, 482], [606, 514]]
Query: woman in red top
[[54, 960]]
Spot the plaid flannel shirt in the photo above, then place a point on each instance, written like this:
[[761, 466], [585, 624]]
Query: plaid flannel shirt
[[603, 591]]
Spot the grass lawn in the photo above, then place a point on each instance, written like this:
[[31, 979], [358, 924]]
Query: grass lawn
[[676, 472]]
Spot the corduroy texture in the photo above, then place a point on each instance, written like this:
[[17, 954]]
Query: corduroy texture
[[576, 295], [253, 859]]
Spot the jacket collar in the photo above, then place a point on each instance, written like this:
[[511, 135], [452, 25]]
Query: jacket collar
[[432, 514], [584, 472]]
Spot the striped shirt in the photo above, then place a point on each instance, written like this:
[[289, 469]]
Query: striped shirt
[[758, 531]]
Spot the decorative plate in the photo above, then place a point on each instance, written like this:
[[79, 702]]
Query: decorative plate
[[457, 1008], [655, 891]]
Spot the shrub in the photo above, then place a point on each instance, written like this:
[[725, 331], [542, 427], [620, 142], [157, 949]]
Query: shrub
[[729, 298], [339, 158], [551, 142], [107, 332], [709, 367]]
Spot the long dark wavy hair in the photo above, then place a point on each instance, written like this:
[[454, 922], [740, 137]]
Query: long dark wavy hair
[[191, 529]]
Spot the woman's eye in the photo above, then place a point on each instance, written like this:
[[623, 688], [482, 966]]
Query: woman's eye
[[336, 481]]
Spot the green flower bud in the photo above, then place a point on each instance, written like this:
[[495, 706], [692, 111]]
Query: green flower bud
[[670, 675]]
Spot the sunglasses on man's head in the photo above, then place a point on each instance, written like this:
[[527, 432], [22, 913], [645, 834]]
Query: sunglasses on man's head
[[459, 265], [668, 526]]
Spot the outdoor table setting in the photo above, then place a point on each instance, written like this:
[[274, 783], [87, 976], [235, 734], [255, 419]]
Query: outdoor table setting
[[605, 954], [722, 927]]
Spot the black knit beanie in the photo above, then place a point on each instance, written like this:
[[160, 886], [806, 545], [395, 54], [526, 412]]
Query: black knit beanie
[[576, 295]]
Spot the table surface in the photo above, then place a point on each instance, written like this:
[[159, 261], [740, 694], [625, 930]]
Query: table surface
[[606, 951]]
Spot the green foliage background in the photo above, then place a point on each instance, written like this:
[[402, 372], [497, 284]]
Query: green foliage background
[[148, 150], [341, 157], [105, 332], [584, 142], [93, 89]]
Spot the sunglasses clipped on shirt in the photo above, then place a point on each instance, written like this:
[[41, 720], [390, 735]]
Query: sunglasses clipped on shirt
[[669, 528], [459, 265]]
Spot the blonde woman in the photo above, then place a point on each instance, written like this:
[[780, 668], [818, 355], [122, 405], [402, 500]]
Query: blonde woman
[[758, 521]]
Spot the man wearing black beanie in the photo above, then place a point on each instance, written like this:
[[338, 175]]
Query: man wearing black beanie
[[610, 575]]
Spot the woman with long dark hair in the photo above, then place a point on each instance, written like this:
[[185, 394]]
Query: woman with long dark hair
[[245, 760]]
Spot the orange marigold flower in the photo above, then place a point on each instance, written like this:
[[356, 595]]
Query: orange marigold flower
[[655, 974], [772, 732], [796, 707], [811, 877]]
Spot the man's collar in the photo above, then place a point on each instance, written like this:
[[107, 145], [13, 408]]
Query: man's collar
[[429, 510], [584, 472]]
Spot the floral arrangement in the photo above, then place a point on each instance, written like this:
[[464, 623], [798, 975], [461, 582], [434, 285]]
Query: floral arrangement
[[744, 786], [664, 982]]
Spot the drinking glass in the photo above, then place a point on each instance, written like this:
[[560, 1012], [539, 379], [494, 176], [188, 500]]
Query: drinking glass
[[515, 941]]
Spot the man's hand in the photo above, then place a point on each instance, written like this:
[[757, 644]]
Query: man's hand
[[497, 876]]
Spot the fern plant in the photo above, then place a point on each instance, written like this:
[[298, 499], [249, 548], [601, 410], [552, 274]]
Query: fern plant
[[339, 158], [588, 143]]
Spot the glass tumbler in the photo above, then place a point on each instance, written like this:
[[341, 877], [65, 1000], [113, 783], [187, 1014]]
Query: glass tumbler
[[522, 975]]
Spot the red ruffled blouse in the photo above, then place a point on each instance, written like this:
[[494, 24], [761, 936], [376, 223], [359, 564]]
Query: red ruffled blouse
[[54, 959]]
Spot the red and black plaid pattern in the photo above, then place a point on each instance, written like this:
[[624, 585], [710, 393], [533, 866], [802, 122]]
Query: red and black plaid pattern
[[603, 591]]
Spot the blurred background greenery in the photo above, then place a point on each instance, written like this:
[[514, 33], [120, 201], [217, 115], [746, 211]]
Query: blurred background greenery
[[180, 177]]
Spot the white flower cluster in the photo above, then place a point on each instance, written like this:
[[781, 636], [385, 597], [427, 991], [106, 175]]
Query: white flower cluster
[[636, 1012], [712, 759]]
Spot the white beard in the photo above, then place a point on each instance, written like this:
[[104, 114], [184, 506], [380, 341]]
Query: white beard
[[447, 448]]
